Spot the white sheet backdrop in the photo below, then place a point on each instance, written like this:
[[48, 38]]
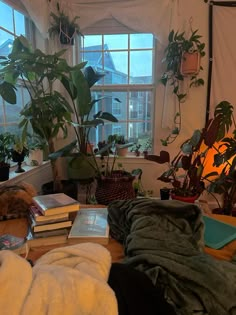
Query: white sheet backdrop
[[224, 57]]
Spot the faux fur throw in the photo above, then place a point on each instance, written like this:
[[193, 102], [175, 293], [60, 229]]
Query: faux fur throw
[[69, 280], [15, 200]]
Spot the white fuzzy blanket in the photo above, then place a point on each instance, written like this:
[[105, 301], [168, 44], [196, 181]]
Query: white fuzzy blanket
[[70, 280]]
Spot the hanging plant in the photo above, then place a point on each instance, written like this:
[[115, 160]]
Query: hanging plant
[[183, 61], [63, 27]]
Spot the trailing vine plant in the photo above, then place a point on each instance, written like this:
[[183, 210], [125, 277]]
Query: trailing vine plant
[[175, 54]]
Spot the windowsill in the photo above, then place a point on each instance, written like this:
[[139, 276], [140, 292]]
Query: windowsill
[[29, 170]]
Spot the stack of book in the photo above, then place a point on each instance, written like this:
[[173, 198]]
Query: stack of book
[[49, 215]]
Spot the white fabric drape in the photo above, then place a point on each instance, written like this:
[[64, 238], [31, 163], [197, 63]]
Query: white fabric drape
[[140, 15], [224, 57]]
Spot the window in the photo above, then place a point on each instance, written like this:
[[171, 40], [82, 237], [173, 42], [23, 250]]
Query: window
[[128, 62], [12, 24]]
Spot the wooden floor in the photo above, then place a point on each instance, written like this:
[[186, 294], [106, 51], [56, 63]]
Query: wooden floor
[[19, 227]]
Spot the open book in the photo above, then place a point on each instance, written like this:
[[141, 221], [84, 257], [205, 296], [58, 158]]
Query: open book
[[90, 225]]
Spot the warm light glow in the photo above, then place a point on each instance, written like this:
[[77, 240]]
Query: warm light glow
[[208, 168]]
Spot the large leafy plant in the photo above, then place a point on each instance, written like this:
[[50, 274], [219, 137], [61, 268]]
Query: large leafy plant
[[178, 45], [85, 119], [47, 111], [186, 171]]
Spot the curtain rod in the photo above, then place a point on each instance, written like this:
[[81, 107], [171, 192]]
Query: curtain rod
[[224, 3]]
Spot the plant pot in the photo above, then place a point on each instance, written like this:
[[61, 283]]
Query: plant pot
[[119, 186], [35, 158], [66, 36], [165, 193], [189, 199], [121, 151], [190, 63], [4, 172]]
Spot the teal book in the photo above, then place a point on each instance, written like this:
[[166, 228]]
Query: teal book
[[217, 234]]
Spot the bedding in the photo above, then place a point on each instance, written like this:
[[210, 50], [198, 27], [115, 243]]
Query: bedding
[[164, 239], [67, 280]]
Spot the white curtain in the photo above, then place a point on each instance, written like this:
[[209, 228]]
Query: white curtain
[[140, 15], [224, 57]]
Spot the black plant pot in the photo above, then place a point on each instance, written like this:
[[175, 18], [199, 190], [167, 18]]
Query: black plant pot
[[165, 193], [67, 35], [4, 172]]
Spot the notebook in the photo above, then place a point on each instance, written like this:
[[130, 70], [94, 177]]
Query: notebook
[[217, 234]]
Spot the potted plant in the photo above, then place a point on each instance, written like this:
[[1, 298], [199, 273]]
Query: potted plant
[[178, 53], [63, 27], [19, 152], [35, 145], [82, 164], [224, 184], [147, 146], [6, 142], [47, 112], [136, 149], [120, 143], [113, 181], [186, 171]]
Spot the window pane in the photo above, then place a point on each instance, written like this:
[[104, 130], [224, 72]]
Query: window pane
[[116, 42], [139, 130], [6, 40], [6, 20], [141, 67], [19, 23], [116, 68], [141, 41], [92, 40], [140, 105]]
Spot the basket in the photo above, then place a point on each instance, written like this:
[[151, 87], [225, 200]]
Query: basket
[[119, 186]]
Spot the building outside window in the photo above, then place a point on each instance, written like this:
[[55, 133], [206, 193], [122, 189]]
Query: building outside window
[[12, 23], [127, 61]]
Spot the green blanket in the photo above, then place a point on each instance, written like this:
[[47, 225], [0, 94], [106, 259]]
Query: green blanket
[[165, 240]]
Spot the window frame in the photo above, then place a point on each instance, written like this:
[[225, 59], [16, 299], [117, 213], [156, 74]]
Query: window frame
[[152, 87], [30, 34]]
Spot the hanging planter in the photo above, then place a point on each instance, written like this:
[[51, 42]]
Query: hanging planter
[[183, 59], [63, 27], [67, 34], [190, 63]]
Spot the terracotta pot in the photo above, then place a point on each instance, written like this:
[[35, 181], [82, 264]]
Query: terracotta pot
[[189, 199], [190, 63], [121, 151]]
